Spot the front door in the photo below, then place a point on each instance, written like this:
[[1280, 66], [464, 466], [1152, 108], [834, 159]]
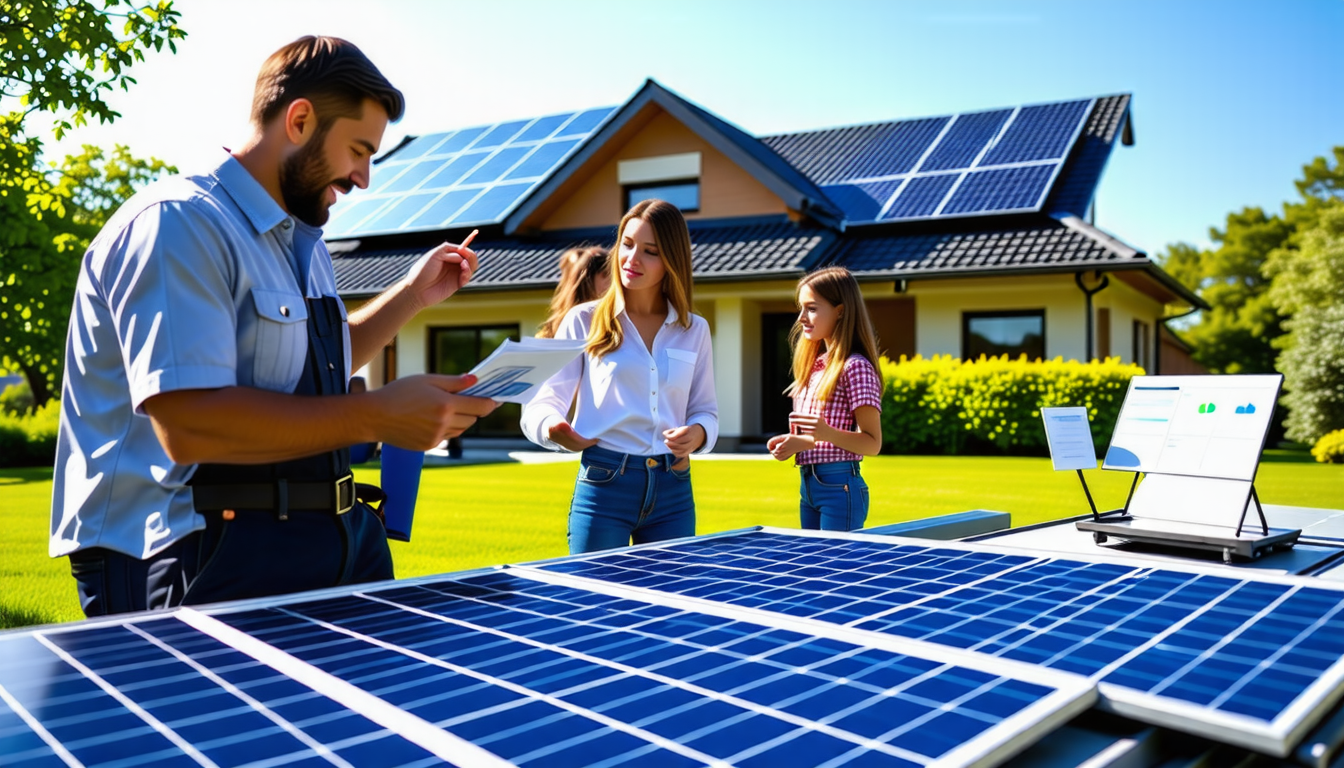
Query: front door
[[776, 371]]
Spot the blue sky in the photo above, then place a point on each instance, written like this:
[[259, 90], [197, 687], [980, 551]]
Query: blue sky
[[1230, 98]]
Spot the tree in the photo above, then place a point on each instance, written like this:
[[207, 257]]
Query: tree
[[1308, 286], [1236, 334], [60, 57]]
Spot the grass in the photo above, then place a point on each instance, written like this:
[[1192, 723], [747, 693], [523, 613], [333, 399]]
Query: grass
[[474, 516]]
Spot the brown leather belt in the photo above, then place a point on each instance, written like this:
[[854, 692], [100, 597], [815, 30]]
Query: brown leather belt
[[337, 496]]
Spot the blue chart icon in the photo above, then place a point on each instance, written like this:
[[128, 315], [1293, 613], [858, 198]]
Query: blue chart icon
[[1247, 408]]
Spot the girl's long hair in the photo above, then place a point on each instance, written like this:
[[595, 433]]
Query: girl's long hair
[[579, 270], [853, 332], [674, 247]]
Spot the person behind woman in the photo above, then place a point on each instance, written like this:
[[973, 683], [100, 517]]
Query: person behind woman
[[837, 401], [584, 276], [645, 387]]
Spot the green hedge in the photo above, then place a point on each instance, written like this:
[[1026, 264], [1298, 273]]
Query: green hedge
[[992, 405], [29, 439]]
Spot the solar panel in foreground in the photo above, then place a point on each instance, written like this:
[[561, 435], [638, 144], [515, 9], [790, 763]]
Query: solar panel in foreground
[[493, 668], [1243, 658]]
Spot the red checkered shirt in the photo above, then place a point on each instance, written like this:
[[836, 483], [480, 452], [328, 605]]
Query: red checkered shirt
[[858, 385]]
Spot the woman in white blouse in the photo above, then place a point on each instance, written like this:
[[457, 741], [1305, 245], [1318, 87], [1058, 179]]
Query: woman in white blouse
[[645, 389]]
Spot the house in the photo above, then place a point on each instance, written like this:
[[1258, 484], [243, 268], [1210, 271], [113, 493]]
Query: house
[[969, 234]]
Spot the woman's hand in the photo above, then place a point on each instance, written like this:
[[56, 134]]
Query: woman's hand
[[683, 441], [811, 424], [564, 435], [783, 447]]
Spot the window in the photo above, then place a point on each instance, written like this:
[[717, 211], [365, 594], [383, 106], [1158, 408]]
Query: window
[[1141, 337], [683, 194], [1012, 333], [456, 350]]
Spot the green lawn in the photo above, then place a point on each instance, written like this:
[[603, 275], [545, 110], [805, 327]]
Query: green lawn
[[490, 514]]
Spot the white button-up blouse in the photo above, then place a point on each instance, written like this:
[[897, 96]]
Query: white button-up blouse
[[627, 399]]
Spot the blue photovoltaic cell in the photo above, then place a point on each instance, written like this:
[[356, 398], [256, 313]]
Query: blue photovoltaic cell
[[1042, 132], [443, 209], [920, 197], [542, 160], [861, 202], [411, 177], [455, 170], [497, 166], [965, 139], [543, 127], [401, 212], [1220, 642], [345, 216], [492, 205], [420, 146], [225, 727], [499, 135], [586, 122], [896, 151], [459, 141], [1001, 189]]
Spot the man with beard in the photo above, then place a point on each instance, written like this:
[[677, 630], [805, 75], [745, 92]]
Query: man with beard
[[204, 411]]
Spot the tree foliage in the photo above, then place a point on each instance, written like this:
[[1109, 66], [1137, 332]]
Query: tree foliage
[[1237, 335], [61, 58], [1308, 285]]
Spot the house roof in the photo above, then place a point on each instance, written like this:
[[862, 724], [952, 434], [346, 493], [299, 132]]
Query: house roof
[[747, 250], [821, 173]]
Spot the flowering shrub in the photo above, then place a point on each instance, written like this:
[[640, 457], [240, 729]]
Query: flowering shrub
[[945, 405], [1330, 448]]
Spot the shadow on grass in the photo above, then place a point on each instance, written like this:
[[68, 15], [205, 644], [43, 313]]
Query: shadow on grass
[[11, 617], [21, 475]]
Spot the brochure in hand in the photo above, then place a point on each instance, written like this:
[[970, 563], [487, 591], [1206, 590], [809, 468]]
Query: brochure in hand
[[514, 371]]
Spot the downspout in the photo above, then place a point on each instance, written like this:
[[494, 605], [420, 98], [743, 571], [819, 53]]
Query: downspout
[[1087, 301], [1157, 358]]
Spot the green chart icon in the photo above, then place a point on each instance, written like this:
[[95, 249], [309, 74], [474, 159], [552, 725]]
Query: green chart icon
[[1207, 408]]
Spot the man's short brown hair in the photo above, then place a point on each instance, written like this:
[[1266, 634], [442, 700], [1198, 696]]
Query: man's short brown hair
[[331, 73]]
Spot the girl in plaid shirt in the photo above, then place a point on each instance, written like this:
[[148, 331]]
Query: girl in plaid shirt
[[837, 401]]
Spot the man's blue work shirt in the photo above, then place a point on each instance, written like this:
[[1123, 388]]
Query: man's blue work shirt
[[193, 284]]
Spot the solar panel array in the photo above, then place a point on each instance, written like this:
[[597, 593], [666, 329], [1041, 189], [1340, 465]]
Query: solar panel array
[[497, 669], [1001, 161], [753, 649], [1248, 659], [470, 177]]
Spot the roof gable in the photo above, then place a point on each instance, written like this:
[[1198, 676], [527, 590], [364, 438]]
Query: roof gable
[[747, 152]]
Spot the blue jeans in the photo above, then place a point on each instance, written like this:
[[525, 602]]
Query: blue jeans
[[834, 497], [620, 496]]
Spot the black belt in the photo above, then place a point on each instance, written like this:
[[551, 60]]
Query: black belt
[[335, 496]]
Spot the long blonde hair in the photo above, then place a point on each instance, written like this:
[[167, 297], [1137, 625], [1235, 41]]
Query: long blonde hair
[[852, 334], [579, 270], [674, 247]]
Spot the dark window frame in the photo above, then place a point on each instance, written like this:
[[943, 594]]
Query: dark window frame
[[968, 316], [626, 189], [432, 358]]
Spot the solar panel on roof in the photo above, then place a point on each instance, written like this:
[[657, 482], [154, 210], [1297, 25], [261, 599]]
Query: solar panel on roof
[[500, 164], [1249, 659], [1002, 161], [495, 669]]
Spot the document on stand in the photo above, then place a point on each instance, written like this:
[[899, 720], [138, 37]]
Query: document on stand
[[516, 369], [1070, 438]]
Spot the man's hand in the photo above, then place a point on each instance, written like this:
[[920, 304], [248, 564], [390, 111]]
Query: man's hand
[[811, 424], [439, 273], [683, 441], [783, 447], [563, 434], [419, 412]]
